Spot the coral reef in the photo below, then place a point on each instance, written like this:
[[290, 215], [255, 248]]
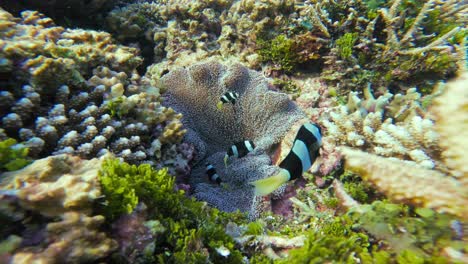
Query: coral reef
[[259, 115], [406, 42], [78, 12], [98, 105], [389, 177], [131, 131]]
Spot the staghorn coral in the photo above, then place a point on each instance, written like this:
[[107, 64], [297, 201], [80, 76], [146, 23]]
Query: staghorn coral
[[74, 239], [101, 105], [55, 185], [259, 115], [402, 42]]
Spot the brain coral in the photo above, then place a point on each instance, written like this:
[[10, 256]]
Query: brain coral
[[260, 115]]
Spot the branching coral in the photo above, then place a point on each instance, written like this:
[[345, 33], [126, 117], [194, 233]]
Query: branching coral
[[389, 125], [432, 188], [450, 112], [259, 115], [410, 41]]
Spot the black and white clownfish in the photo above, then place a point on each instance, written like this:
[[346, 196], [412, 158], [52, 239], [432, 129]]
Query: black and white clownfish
[[304, 151], [227, 97], [239, 150], [212, 174]]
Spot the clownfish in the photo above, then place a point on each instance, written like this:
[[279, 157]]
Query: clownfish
[[227, 97], [300, 158], [239, 150], [212, 175]]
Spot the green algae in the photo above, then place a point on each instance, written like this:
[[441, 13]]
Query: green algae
[[12, 156], [190, 231], [280, 52], [345, 44]]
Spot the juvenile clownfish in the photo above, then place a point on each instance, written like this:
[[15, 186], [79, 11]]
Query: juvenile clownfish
[[212, 175], [239, 150], [227, 97], [300, 158]]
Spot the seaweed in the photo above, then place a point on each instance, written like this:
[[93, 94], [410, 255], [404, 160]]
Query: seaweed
[[192, 231], [13, 156]]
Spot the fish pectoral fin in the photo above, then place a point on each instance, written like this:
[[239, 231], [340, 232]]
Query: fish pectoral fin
[[268, 185], [219, 105]]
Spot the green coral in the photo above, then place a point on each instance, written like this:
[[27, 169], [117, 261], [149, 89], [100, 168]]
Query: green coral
[[13, 156], [190, 231], [345, 44]]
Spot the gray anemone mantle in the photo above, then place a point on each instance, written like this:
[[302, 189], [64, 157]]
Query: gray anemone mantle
[[259, 114]]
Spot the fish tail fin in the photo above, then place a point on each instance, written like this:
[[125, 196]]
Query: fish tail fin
[[226, 160], [219, 105], [268, 185]]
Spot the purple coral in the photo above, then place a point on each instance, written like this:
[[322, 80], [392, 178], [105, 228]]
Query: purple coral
[[260, 115]]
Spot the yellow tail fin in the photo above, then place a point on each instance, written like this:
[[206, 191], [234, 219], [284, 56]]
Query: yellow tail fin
[[219, 105], [268, 185], [226, 157]]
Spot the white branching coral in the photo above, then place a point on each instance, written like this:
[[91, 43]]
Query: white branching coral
[[384, 126], [443, 188], [259, 114]]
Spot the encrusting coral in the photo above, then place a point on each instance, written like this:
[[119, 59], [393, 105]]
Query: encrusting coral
[[259, 114], [63, 187], [74, 239], [55, 185]]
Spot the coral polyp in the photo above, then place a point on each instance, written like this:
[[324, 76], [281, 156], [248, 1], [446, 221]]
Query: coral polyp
[[221, 131]]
